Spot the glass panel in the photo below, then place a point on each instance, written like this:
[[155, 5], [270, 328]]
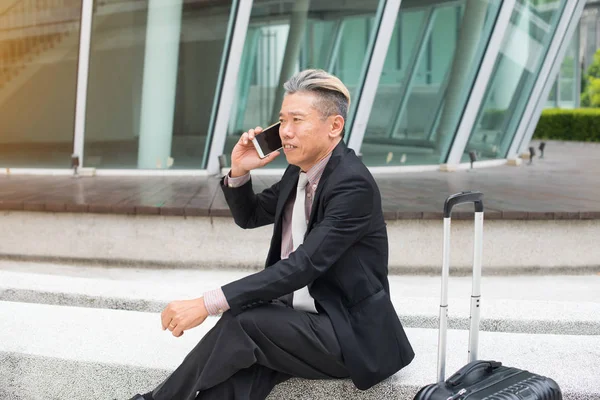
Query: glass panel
[[288, 36], [39, 46], [589, 24], [552, 101], [567, 77], [429, 71], [530, 32], [566, 85], [154, 73]]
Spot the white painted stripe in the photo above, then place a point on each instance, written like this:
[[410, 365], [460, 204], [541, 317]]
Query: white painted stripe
[[35, 171], [149, 172]]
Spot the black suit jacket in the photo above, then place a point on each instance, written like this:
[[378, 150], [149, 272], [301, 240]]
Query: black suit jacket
[[343, 260]]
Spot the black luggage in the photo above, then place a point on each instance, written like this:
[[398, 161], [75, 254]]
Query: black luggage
[[478, 380]]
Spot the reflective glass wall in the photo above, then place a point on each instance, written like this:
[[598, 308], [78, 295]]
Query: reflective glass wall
[[154, 73], [287, 36], [39, 45], [590, 32], [531, 30], [429, 70], [566, 90]]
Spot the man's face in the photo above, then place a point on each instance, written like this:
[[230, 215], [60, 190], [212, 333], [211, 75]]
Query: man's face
[[305, 134]]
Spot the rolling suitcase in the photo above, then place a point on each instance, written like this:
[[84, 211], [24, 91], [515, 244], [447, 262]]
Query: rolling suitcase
[[478, 380]]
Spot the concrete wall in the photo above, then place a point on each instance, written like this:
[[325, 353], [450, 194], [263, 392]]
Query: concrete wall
[[203, 242]]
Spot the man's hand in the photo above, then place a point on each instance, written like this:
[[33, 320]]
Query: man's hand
[[179, 316], [244, 157]]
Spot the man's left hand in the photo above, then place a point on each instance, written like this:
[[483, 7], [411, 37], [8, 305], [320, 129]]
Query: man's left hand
[[179, 316]]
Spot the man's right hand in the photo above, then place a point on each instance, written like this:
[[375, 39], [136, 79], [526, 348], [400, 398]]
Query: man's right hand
[[244, 157]]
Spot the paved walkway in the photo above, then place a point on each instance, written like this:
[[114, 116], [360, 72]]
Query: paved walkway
[[565, 184]]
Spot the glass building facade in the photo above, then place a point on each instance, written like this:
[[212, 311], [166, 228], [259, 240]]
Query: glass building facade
[[156, 85], [525, 47]]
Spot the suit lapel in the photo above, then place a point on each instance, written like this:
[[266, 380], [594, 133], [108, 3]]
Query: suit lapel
[[333, 162], [288, 184]]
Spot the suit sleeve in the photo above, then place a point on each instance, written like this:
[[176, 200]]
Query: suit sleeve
[[347, 218], [251, 210]]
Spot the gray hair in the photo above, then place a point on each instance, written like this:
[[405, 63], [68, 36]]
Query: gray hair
[[333, 95]]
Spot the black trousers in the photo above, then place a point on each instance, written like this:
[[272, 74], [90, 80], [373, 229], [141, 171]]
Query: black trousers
[[243, 357]]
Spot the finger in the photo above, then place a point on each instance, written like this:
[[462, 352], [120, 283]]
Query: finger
[[244, 138], [165, 319], [178, 331], [270, 157], [253, 132]]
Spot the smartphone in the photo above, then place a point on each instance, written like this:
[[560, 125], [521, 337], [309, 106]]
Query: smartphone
[[268, 140]]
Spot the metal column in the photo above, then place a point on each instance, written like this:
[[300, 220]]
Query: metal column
[[85, 37], [240, 29], [373, 74]]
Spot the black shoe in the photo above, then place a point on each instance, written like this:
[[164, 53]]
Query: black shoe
[[137, 397]]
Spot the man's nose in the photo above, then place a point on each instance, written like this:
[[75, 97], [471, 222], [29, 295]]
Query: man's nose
[[285, 131]]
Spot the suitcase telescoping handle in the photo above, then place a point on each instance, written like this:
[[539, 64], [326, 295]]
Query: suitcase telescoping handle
[[477, 199]]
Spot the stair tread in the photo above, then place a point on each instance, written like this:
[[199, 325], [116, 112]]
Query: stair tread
[[568, 299], [134, 339]]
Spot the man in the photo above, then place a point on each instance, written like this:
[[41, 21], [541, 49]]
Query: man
[[321, 307]]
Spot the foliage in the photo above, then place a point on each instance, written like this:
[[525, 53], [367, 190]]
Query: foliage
[[581, 124], [590, 96]]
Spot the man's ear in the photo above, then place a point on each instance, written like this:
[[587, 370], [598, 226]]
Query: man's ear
[[337, 126]]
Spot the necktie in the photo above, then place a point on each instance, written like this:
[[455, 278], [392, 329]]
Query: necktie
[[302, 299]]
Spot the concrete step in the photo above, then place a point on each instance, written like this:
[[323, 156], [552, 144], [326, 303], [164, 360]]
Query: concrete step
[[510, 246], [62, 352], [527, 304]]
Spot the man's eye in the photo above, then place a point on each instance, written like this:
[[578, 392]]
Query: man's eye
[[297, 119]]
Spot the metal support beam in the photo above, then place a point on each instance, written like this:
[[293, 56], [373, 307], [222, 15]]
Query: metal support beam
[[85, 38], [420, 47], [244, 79], [577, 61], [335, 48], [295, 39], [229, 81], [373, 74], [432, 126], [474, 103], [545, 79]]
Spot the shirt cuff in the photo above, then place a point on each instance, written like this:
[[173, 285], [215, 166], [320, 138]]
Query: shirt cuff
[[236, 182], [215, 302]]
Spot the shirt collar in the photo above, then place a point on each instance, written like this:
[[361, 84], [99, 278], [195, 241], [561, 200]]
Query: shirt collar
[[316, 171]]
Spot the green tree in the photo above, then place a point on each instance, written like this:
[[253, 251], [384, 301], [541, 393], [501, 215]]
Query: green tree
[[593, 92], [590, 96]]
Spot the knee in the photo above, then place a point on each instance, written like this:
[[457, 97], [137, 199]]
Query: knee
[[254, 320]]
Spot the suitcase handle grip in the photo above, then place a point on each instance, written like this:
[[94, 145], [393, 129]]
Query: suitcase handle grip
[[461, 198], [457, 378]]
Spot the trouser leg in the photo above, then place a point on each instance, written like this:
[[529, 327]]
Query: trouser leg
[[254, 383], [274, 336]]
